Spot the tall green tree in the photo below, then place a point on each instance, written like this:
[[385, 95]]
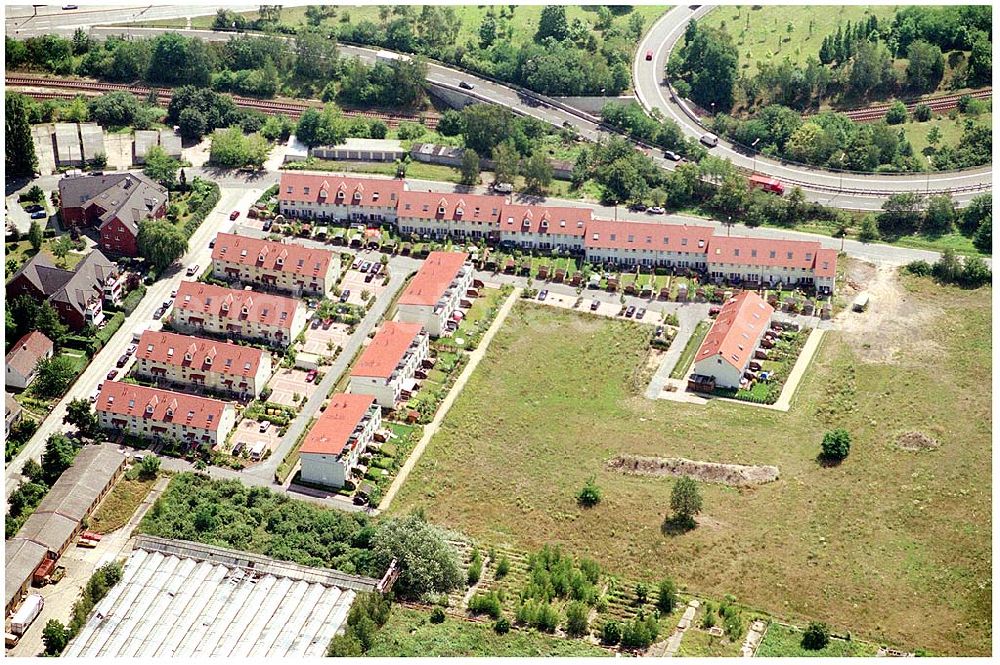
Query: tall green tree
[[926, 66], [54, 376], [80, 414], [685, 501], [470, 167], [427, 563], [160, 242], [19, 155], [57, 457], [35, 235], [55, 636], [161, 167], [537, 173], [552, 23], [47, 321], [506, 163]]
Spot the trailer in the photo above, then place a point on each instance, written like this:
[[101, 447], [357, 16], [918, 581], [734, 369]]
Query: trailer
[[772, 185], [26, 614], [41, 575], [861, 302]]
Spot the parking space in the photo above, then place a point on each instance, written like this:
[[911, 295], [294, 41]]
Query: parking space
[[354, 281], [323, 342], [248, 437], [286, 384], [612, 309]]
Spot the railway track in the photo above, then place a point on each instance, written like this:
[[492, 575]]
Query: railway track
[[937, 104], [56, 89]]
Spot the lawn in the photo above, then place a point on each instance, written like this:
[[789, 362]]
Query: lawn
[[951, 132], [119, 506], [786, 641], [874, 546], [409, 632], [690, 349], [761, 33]]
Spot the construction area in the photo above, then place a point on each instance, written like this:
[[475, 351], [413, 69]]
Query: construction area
[[184, 599]]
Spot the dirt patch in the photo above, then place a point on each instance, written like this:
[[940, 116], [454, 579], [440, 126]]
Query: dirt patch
[[893, 323], [917, 441], [734, 475]]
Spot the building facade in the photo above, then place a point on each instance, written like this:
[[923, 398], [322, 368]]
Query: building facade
[[730, 344], [436, 215], [183, 361], [392, 358], [281, 266], [768, 262], [546, 228], [152, 413], [332, 198], [436, 291], [247, 315], [647, 244], [333, 446]]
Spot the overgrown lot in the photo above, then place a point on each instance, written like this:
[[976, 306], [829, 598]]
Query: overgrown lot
[[876, 545]]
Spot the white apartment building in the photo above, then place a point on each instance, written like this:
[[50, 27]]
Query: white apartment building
[[332, 447], [390, 361], [436, 291]]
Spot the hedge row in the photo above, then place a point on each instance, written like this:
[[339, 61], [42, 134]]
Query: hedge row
[[93, 345]]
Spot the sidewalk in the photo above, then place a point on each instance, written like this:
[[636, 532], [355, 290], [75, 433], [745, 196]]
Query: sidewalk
[[431, 428]]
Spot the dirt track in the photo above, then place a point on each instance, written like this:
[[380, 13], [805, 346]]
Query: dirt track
[[734, 475]]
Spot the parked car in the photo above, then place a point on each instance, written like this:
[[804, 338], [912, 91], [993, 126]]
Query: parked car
[[34, 207], [315, 324], [234, 214], [356, 264], [656, 210], [264, 426], [267, 224], [659, 331], [369, 277], [714, 311], [131, 349], [122, 361], [709, 140], [637, 207], [192, 269], [594, 304], [159, 313], [465, 85], [630, 311], [543, 294], [374, 267], [38, 215], [310, 375], [671, 155], [640, 313], [344, 295], [365, 266], [173, 294], [359, 499], [649, 54], [327, 323], [211, 243], [112, 374]]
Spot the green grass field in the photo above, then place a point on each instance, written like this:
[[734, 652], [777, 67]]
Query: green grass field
[[119, 506], [951, 131], [785, 641], [874, 546], [410, 633], [761, 33]]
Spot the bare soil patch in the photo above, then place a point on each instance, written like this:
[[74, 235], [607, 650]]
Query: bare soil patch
[[894, 321], [917, 441], [734, 475]]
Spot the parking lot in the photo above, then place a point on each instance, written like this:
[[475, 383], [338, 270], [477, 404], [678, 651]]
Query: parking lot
[[286, 383], [248, 435], [317, 340], [604, 308], [354, 281]]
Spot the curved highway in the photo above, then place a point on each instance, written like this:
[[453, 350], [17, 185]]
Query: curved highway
[[824, 186]]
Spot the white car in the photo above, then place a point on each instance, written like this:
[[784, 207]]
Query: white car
[[192, 269]]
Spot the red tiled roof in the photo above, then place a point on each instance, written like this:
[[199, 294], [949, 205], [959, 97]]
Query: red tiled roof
[[799, 254], [386, 349], [192, 352], [272, 256], [545, 219], [433, 278], [454, 207], [27, 351], [826, 263], [263, 308], [332, 432], [356, 191], [734, 334], [127, 399], [651, 236]]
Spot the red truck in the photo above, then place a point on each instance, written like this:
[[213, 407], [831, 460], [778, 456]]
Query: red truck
[[767, 184]]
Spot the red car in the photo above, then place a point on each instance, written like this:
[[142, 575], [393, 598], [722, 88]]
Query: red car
[[649, 54], [112, 374], [235, 214], [310, 375]]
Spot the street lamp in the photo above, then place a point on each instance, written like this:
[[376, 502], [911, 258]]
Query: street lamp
[[729, 224], [754, 146]]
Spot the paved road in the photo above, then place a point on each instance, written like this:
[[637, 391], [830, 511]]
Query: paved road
[[823, 185], [218, 220], [23, 20], [688, 316]]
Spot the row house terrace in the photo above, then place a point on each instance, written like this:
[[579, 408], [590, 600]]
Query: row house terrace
[[331, 449], [651, 245], [545, 228], [390, 362], [730, 344], [151, 413], [437, 215], [768, 262], [329, 197], [247, 315], [223, 367], [436, 291], [280, 266]]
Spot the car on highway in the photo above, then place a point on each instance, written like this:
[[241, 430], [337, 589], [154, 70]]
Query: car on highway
[[38, 215], [671, 155], [234, 214], [69, 7], [649, 54], [710, 140], [543, 294], [594, 304], [656, 210], [310, 375], [192, 270], [112, 374], [465, 85]]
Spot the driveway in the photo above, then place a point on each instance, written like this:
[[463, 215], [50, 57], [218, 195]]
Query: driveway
[[286, 384], [688, 315]]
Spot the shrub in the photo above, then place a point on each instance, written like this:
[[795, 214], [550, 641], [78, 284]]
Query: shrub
[[590, 495], [486, 603], [577, 620], [920, 268], [547, 618], [922, 113], [836, 444], [639, 633], [896, 114], [611, 633], [641, 593], [437, 615], [666, 597], [503, 567], [816, 637], [501, 626], [475, 568]]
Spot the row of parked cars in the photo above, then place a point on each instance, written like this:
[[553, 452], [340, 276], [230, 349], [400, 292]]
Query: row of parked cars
[[629, 311]]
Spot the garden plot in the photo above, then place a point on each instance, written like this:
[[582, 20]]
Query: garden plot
[[319, 340], [286, 384]]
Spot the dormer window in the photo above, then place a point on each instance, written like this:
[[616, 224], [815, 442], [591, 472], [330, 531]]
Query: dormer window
[[459, 211], [188, 356], [245, 310], [170, 413], [149, 348], [340, 194], [545, 224], [357, 196], [440, 210], [149, 409], [225, 306], [170, 352], [208, 360], [243, 253], [374, 196], [323, 193], [279, 262], [190, 415]]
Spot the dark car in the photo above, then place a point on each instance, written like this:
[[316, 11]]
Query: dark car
[[38, 215], [637, 207], [375, 267], [630, 311], [659, 331], [360, 499], [234, 214], [465, 85], [267, 224], [344, 295], [543, 294], [34, 207], [641, 313], [369, 277], [112, 374], [211, 243], [315, 324], [123, 361], [594, 304]]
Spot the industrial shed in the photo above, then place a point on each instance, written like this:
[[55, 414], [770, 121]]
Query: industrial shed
[[57, 520], [144, 140], [183, 599], [92, 137], [170, 142], [68, 152]]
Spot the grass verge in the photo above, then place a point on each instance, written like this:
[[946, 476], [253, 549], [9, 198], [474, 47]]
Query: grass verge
[[690, 349], [120, 504]]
